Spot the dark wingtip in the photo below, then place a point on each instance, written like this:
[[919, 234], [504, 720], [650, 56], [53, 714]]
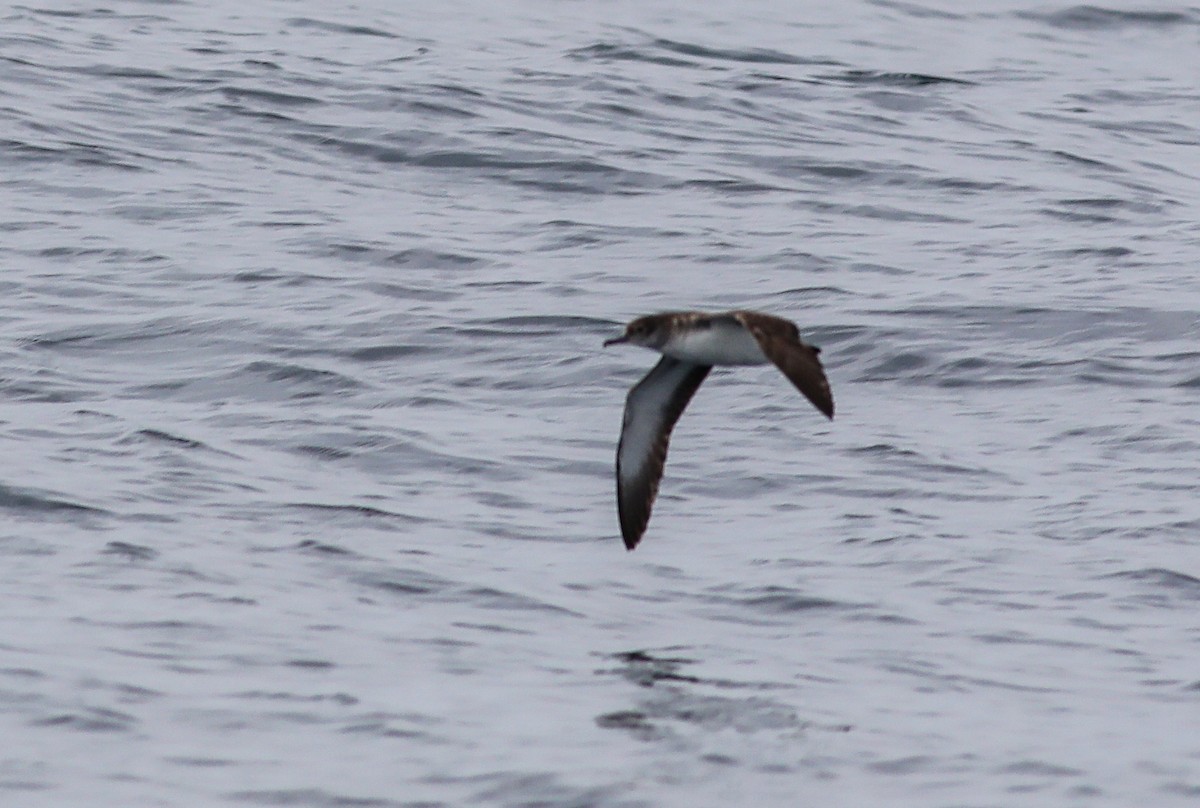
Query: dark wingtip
[[822, 400], [630, 534]]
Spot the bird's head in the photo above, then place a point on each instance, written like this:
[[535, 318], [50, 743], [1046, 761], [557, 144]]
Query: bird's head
[[648, 331]]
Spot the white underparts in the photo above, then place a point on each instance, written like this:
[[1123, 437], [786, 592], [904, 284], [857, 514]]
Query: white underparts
[[719, 344]]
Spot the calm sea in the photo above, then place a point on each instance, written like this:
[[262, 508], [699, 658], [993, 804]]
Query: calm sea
[[306, 495]]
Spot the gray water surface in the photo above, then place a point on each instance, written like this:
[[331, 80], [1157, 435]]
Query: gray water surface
[[307, 496]]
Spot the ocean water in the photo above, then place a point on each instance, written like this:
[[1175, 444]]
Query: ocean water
[[307, 492]]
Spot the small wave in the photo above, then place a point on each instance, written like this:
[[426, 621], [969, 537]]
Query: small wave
[[297, 381], [269, 97], [881, 78], [132, 552], [357, 511], [388, 353], [338, 28], [1091, 18], [96, 719], [26, 501], [1163, 581]]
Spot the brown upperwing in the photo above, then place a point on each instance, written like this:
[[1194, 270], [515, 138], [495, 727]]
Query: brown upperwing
[[780, 342]]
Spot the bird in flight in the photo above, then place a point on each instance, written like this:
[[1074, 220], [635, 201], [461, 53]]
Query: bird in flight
[[691, 343]]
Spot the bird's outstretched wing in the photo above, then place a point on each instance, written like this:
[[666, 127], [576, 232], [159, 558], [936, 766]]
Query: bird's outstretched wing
[[651, 410], [780, 342]]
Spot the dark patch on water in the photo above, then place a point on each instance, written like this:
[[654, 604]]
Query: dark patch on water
[[1163, 585], [132, 552], [96, 719], [334, 28], [29, 502], [646, 669], [885, 79], [1096, 18]]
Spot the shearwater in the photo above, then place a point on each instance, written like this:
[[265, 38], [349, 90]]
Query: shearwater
[[691, 343]]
